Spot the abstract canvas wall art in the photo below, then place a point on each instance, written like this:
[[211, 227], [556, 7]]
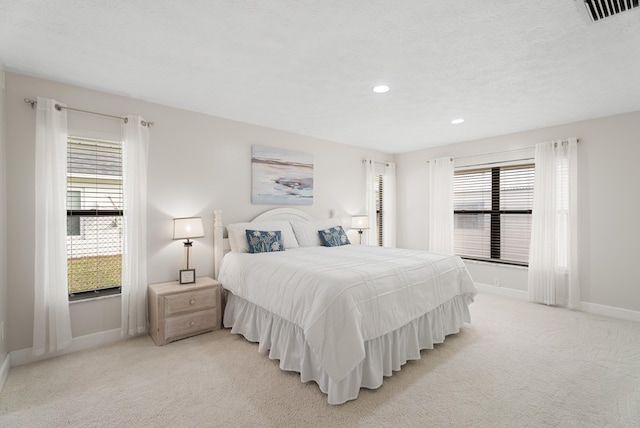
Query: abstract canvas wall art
[[281, 176]]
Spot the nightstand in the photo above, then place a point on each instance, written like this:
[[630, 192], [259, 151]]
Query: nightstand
[[177, 311]]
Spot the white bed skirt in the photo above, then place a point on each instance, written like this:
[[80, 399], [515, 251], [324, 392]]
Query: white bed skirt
[[285, 342]]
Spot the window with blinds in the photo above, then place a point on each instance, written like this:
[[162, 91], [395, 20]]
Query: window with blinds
[[94, 217], [378, 185], [492, 213]]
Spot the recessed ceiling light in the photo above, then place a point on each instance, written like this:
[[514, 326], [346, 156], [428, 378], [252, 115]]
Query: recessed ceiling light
[[457, 121], [380, 89]]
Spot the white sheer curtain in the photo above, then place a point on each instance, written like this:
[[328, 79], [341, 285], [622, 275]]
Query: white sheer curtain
[[389, 205], [553, 256], [135, 148], [51, 320], [441, 205]]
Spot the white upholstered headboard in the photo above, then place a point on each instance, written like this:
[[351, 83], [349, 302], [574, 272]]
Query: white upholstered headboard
[[221, 244]]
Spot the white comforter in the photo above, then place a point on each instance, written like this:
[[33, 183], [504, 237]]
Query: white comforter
[[344, 296]]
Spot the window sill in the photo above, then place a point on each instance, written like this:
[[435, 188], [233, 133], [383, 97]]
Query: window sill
[[495, 264], [94, 298]]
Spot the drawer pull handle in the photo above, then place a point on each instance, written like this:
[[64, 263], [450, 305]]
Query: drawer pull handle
[[192, 323], [192, 302]]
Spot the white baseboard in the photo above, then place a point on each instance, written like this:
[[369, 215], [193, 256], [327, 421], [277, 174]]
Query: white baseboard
[[4, 369], [610, 311], [25, 356], [592, 308]]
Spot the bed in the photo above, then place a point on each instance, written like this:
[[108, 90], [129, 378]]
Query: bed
[[343, 316]]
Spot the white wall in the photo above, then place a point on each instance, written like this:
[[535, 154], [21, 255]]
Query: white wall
[[3, 227], [609, 202], [197, 163]]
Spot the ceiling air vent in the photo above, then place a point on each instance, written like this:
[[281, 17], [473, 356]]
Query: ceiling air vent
[[601, 9]]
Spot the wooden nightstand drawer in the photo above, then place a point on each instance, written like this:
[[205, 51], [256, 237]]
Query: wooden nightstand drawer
[[177, 311], [189, 324], [192, 301]]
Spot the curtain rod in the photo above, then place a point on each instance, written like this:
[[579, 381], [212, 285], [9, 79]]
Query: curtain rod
[[372, 161], [505, 151], [59, 107], [450, 159]]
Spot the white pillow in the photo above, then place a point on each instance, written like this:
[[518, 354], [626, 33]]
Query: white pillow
[[238, 237], [307, 231]]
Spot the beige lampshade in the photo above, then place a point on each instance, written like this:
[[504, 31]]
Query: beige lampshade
[[187, 228], [360, 222]]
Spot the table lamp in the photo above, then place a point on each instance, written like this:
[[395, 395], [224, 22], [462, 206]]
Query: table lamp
[[187, 228], [360, 222]]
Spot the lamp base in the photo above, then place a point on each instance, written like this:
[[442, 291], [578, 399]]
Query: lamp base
[[186, 260]]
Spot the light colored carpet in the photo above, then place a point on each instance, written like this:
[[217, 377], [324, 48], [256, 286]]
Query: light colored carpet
[[518, 364]]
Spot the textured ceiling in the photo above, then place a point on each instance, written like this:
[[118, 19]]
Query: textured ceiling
[[308, 66]]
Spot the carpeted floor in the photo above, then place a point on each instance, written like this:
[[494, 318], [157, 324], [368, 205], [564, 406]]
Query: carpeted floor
[[517, 365]]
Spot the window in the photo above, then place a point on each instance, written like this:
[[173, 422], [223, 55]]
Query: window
[[94, 217], [378, 188], [492, 213], [380, 203], [73, 203]]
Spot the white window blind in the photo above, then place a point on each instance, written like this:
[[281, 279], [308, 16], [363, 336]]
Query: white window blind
[[379, 192], [94, 217], [492, 213]]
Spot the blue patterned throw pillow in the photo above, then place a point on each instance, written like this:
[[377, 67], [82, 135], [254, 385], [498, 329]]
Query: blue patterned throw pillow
[[264, 241], [334, 237]]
